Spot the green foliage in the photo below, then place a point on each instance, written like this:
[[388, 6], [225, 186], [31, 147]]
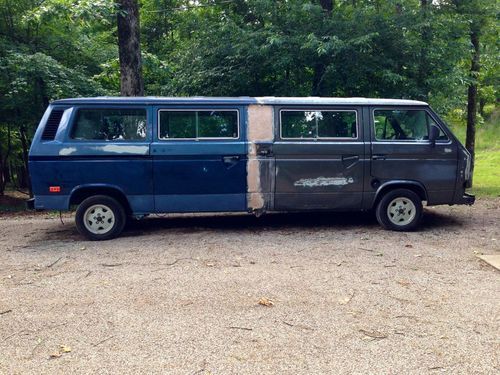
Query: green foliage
[[486, 171], [396, 49]]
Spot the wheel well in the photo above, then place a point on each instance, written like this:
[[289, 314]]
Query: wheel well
[[83, 193], [417, 189]]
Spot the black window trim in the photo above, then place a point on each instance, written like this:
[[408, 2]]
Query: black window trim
[[211, 109], [318, 139]]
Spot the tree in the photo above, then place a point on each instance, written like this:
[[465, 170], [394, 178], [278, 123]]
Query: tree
[[477, 14], [129, 48]]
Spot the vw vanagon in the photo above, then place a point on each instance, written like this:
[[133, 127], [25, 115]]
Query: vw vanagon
[[114, 158]]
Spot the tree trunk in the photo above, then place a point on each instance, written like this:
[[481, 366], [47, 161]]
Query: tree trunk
[[318, 88], [327, 5], [129, 48], [423, 68], [482, 103], [25, 148], [4, 161], [472, 93], [319, 68]]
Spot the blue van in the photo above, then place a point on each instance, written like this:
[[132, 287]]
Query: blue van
[[115, 158]]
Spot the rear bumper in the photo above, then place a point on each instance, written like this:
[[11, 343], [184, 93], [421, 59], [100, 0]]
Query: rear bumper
[[466, 198], [30, 204], [48, 202]]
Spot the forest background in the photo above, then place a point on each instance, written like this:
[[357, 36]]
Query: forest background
[[445, 52]]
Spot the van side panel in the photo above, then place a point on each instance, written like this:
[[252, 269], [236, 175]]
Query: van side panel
[[129, 175], [74, 164], [200, 175], [432, 166], [321, 174]]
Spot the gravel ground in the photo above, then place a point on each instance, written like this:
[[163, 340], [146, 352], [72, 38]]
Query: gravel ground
[[181, 295]]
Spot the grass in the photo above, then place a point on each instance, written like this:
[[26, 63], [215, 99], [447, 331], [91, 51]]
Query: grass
[[486, 180], [487, 173]]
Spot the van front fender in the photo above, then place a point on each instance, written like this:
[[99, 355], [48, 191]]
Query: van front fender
[[387, 186]]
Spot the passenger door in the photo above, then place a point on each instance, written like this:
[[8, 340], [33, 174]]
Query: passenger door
[[199, 160], [319, 158], [401, 151]]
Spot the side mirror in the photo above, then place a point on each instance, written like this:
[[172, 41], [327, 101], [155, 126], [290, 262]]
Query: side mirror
[[433, 134]]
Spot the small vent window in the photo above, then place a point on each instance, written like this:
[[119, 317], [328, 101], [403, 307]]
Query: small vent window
[[49, 133]]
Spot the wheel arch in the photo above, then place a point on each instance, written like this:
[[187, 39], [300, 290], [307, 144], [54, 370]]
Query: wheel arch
[[80, 193], [414, 186]]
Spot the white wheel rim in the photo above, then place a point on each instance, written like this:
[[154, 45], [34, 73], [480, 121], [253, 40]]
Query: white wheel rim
[[401, 211], [99, 219]]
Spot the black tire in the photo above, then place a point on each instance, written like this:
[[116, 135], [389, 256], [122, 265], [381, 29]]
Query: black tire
[[110, 217], [388, 220]]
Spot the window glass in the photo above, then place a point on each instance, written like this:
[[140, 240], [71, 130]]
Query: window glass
[[177, 124], [110, 124], [404, 125], [337, 125], [218, 124], [198, 124], [298, 124], [318, 124]]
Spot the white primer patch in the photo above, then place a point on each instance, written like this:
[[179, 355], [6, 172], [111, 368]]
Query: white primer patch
[[324, 181], [67, 151], [124, 149]]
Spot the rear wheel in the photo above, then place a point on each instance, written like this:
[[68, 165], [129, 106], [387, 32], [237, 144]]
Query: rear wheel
[[399, 210], [100, 218]]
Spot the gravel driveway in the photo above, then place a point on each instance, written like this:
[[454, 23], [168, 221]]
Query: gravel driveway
[[181, 295]]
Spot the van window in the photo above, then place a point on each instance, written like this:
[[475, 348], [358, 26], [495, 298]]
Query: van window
[[396, 124], [109, 124], [198, 124], [318, 124]]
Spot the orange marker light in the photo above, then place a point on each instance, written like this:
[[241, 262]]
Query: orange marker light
[[54, 189]]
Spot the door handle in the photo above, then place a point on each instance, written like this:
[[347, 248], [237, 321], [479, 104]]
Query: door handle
[[379, 157], [230, 159]]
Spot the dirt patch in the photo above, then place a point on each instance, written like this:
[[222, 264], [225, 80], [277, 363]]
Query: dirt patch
[[12, 201], [315, 293]]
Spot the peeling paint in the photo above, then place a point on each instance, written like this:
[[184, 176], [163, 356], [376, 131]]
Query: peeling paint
[[67, 151], [324, 181], [124, 149]]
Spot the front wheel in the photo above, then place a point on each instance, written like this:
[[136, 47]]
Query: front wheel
[[399, 210], [100, 218]]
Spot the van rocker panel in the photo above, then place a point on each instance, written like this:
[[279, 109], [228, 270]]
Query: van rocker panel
[[200, 203]]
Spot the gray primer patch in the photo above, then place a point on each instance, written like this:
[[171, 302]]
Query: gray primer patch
[[324, 181]]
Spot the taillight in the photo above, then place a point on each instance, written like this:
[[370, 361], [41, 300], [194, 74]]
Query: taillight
[[54, 189]]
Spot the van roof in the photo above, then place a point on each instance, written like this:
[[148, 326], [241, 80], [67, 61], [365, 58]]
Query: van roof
[[243, 100]]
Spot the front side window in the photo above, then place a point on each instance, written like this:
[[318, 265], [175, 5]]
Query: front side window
[[318, 124], [198, 124], [412, 125], [110, 124]]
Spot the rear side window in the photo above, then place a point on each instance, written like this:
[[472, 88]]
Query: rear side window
[[410, 125], [110, 124], [318, 124], [196, 124]]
